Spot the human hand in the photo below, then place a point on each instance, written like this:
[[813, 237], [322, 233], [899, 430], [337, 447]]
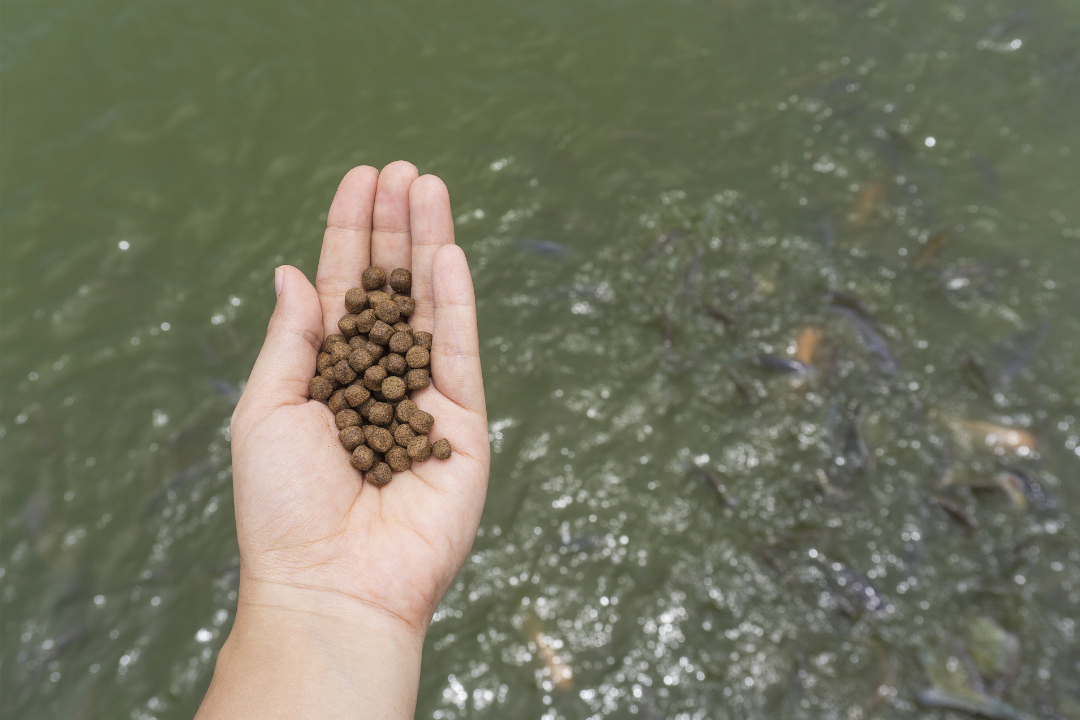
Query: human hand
[[342, 567]]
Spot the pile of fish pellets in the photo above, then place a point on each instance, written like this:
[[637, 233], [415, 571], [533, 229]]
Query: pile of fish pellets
[[365, 375]]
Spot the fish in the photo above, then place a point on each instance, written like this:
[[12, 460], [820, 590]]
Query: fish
[[557, 668], [1027, 343], [963, 277], [192, 472], [872, 340], [806, 344], [847, 446], [930, 250], [226, 390], [977, 369], [717, 314], [741, 386], [977, 705], [713, 479], [543, 247], [1030, 488], [782, 364], [867, 201], [993, 436], [955, 511]]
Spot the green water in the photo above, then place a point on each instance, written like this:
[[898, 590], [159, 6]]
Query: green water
[[160, 159]]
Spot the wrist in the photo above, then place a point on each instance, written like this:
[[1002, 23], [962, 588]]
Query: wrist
[[298, 653]]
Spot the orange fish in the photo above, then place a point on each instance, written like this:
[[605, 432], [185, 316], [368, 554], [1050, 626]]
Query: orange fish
[[995, 437], [557, 668], [807, 344], [867, 202]]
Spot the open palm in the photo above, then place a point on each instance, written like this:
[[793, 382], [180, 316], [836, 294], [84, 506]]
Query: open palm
[[308, 525]]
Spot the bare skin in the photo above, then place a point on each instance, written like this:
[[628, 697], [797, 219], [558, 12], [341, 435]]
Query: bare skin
[[339, 580]]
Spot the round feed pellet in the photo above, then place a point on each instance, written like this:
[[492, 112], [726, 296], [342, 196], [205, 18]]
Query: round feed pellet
[[398, 459], [423, 339], [343, 373], [363, 458], [421, 421], [401, 281], [403, 434], [378, 439], [380, 475], [388, 312], [393, 388], [373, 377], [320, 389], [381, 413], [394, 364], [400, 342], [376, 351], [345, 418], [331, 339], [356, 394], [351, 437], [347, 325], [338, 402], [365, 321], [404, 409], [417, 379], [419, 448], [356, 300], [440, 449], [365, 406], [360, 360], [338, 352], [373, 278], [417, 357], [328, 374], [405, 304], [375, 297], [380, 333], [357, 341], [322, 361]]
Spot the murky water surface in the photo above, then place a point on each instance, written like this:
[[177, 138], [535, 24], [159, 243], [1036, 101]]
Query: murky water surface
[[668, 208]]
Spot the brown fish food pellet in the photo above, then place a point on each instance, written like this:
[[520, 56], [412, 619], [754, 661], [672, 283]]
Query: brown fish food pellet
[[345, 418], [356, 300], [393, 388], [417, 379], [421, 421], [394, 364], [400, 342], [320, 389], [343, 373], [419, 448], [347, 325], [356, 394], [331, 340], [363, 458], [417, 357], [381, 333], [374, 376], [398, 459], [360, 360], [440, 449], [374, 277], [388, 312], [381, 414], [403, 434], [338, 402], [351, 437], [378, 438], [380, 475], [405, 304], [365, 373], [401, 281]]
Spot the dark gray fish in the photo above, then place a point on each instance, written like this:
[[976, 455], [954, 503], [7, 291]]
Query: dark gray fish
[[847, 447], [966, 277], [956, 511], [782, 364], [826, 234], [839, 298], [716, 483], [977, 369], [857, 589], [1036, 495], [543, 247], [1027, 343], [980, 706], [717, 314], [226, 390], [744, 389], [872, 341], [194, 471]]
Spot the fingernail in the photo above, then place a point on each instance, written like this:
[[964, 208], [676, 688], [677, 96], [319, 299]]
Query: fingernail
[[279, 278]]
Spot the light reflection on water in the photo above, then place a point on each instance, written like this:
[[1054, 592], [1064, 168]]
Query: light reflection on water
[[645, 215]]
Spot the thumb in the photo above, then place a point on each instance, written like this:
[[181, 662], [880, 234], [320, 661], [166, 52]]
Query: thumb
[[286, 362]]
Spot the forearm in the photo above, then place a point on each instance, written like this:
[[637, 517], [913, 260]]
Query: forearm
[[281, 661]]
